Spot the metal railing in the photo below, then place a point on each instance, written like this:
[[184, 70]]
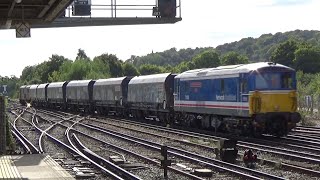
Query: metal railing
[[118, 9]]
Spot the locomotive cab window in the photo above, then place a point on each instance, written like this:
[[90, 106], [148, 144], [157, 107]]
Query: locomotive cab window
[[286, 81], [274, 80]]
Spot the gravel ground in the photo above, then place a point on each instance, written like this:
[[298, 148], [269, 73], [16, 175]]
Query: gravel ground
[[149, 171], [27, 130], [145, 151], [162, 140], [274, 170], [263, 168], [153, 172], [56, 152]]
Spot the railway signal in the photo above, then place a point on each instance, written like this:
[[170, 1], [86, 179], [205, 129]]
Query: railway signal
[[165, 162]]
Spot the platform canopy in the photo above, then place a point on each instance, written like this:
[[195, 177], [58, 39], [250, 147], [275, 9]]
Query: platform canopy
[[73, 13], [34, 12]]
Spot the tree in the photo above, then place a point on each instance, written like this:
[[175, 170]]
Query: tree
[[27, 73], [207, 59], [79, 70], [82, 55], [233, 58], [129, 70], [147, 69], [115, 65], [184, 66], [284, 53], [307, 59]]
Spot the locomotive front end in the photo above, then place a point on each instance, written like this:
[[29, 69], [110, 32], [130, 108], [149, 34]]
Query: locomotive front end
[[273, 101]]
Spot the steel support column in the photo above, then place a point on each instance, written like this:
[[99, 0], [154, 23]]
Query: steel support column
[[3, 142]]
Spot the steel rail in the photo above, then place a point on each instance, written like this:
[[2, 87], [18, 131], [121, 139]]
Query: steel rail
[[70, 149], [240, 143], [25, 146], [135, 154], [33, 148], [172, 151], [284, 165], [122, 172]]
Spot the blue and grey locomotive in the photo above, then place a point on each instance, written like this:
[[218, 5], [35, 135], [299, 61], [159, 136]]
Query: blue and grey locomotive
[[248, 98]]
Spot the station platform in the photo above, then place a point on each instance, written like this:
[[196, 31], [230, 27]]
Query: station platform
[[31, 167]]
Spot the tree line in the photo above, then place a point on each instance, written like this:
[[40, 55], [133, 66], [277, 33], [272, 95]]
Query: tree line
[[296, 49]]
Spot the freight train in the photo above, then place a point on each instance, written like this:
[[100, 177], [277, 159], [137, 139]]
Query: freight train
[[248, 99]]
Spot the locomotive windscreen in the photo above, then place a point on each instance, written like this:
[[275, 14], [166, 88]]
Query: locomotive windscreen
[[275, 80]]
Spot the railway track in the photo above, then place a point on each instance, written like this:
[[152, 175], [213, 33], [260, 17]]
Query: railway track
[[284, 165], [182, 154], [71, 150], [69, 127], [245, 144], [292, 145]]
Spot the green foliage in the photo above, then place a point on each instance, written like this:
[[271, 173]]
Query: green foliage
[[170, 57], [12, 84], [233, 58], [79, 70], [9, 139], [27, 73], [43, 72], [81, 55], [147, 69], [206, 59], [82, 69], [297, 49], [115, 65], [284, 53], [183, 66], [261, 49], [129, 70], [307, 59]]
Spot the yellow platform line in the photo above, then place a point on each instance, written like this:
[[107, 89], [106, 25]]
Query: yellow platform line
[[7, 169], [3, 167]]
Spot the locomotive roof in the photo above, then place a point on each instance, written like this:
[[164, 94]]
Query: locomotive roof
[[77, 83], [34, 86], [154, 78], [56, 84], [229, 70], [111, 81], [42, 86]]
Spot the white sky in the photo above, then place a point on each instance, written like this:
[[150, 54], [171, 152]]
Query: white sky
[[204, 23]]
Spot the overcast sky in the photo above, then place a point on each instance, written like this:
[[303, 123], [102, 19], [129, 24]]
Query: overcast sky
[[204, 23]]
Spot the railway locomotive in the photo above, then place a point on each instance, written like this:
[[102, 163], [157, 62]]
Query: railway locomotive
[[251, 99]]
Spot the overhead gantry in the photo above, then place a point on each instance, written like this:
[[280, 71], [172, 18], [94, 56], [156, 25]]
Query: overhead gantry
[[21, 14]]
